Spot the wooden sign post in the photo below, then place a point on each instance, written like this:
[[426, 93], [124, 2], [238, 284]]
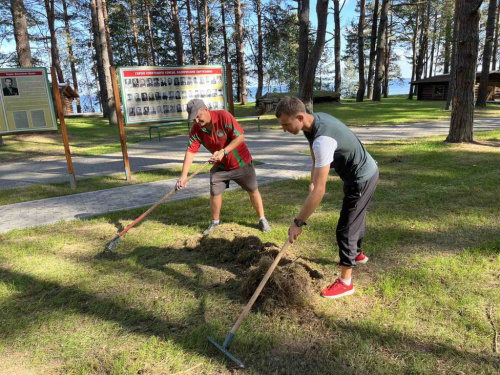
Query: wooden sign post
[[229, 82], [60, 115], [121, 124]]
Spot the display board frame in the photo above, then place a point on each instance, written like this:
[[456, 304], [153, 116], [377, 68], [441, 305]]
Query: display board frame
[[173, 71], [17, 72]]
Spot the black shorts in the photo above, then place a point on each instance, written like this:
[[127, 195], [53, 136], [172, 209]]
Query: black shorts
[[244, 176]]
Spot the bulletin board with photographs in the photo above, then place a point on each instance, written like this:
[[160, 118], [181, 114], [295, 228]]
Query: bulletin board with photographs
[[152, 94], [25, 101]]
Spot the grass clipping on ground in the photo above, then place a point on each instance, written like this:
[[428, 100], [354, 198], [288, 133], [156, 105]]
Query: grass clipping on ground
[[290, 285]]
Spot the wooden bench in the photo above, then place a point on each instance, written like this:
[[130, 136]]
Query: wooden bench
[[158, 126]]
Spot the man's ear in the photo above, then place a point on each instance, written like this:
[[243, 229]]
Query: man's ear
[[299, 117]]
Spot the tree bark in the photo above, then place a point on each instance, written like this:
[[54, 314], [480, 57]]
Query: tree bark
[[134, 29], [433, 48], [103, 93], [145, 33], [424, 40], [337, 47], [200, 34], [224, 35], [54, 49], [373, 50], [21, 34], [447, 44], [108, 34], [495, 43], [303, 15], [207, 23], [462, 114], [260, 48], [361, 55], [388, 44], [69, 42], [150, 31], [482, 94], [451, 86], [240, 51], [379, 66], [191, 32], [179, 47], [414, 53], [309, 72]]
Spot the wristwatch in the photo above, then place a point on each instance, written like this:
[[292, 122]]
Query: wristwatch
[[225, 152], [299, 222]]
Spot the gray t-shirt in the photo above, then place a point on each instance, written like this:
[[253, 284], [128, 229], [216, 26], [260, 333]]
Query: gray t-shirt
[[351, 161]]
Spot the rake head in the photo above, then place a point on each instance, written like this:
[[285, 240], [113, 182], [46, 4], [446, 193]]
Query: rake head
[[223, 349], [111, 247]]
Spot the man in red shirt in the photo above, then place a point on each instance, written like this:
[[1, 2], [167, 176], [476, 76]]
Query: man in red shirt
[[218, 130]]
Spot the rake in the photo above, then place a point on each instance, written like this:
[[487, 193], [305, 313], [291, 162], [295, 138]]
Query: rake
[[246, 310], [111, 246]]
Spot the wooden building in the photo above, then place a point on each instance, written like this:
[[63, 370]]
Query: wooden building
[[436, 88], [67, 96]]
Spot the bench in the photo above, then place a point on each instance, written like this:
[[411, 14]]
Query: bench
[[158, 126]]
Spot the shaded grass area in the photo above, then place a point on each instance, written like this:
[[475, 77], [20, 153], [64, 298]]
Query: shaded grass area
[[419, 308], [43, 191]]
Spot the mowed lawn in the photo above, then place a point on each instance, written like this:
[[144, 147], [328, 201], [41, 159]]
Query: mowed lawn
[[421, 303], [93, 135]]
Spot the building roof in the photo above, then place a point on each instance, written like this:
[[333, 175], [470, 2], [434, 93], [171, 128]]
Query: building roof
[[494, 77], [65, 88]]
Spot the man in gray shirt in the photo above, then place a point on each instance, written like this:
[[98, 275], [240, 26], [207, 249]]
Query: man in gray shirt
[[334, 145]]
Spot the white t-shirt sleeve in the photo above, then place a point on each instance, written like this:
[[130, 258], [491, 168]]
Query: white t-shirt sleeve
[[323, 148]]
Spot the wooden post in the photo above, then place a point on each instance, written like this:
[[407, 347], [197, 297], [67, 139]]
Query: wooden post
[[229, 83], [119, 118], [60, 115]]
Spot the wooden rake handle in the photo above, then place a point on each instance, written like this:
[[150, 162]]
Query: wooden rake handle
[[256, 294], [131, 225]]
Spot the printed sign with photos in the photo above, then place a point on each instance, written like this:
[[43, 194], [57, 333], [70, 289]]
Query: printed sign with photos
[[152, 94], [25, 101]]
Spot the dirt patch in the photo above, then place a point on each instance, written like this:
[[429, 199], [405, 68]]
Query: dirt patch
[[289, 285]]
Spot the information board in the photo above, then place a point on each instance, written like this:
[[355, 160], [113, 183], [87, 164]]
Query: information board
[[25, 101], [152, 94]]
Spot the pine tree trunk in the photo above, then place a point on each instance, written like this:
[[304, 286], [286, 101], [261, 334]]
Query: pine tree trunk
[[260, 47], [303, 15], [447, 46], [451, 86], [424, 40], [388, 43], [179, 47], [224, 35], [21, 33], [200, 34], [207, 24], [462, 114], [337, 47], [309, 75], [103, 93], [69, 42], [495, 42], [379, 66], [373, 50], [414, 54], [108, 34], [241, 52], [191, 32], [482, 94], [150, 32], [433, 48], [145, 33], [361, 55], [134, 30], [54, 49]]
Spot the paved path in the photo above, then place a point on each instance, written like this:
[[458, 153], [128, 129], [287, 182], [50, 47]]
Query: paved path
[[279, 151]]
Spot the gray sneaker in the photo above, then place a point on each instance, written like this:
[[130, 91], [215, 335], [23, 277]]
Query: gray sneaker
[[210, 228], [264, 225]]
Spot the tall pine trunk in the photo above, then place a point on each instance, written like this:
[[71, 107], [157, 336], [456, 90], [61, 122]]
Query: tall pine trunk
[[303, 15], [21, 33], [414, 53], [240, 52], [150, 32], [69, 42], [434, 38], [224, 35], [424, 41], [337, 47], [373, 50], [134, 30], [54, 49], [495, 42], [108, 33], [179, 47], [191, 32], [388, 44], [451, 86], [260, 48], [462, 113], [380, 66], [207, 24], [200, 33], [361, 55], [447, 43], [482, 94]]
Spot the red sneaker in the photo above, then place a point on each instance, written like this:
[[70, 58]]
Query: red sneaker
[[338, 289], [361, 258]]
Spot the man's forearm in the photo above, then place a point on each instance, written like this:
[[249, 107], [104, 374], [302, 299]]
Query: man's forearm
[[311, 204], [188, 160]]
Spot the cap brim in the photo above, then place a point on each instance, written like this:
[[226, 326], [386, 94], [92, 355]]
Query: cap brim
[[192, 116]]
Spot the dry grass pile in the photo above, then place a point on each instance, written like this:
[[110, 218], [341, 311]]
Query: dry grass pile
[[289, 285]]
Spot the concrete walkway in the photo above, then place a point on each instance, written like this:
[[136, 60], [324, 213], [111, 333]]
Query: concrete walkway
[[279, 151]]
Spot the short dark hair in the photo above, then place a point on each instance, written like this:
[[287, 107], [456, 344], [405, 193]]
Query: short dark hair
[[290, 106], [10, 79]]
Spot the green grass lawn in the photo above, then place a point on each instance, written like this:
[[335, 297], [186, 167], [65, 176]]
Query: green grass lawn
[[93, 135], [420, 305]]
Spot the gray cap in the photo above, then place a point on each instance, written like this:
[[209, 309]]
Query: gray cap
[[193, 106]]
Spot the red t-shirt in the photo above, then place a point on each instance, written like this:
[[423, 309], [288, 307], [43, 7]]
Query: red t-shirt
[[225, 128]]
